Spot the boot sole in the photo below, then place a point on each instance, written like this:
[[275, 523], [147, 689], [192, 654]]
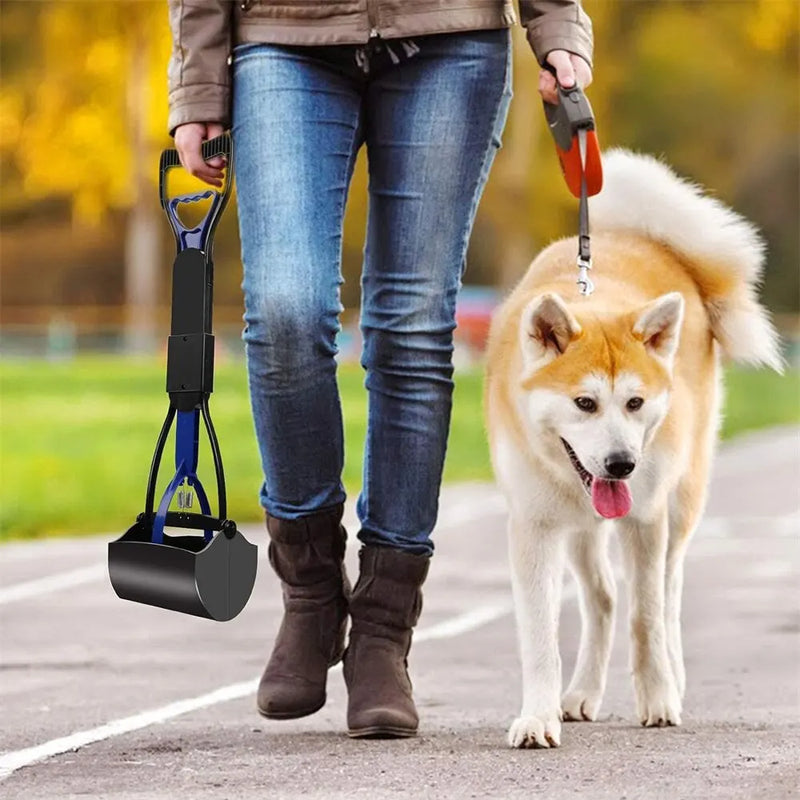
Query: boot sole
[[382, 732], [291, 714]]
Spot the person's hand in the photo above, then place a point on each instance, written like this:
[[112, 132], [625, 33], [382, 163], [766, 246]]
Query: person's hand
[[189, 140], [569, 68]]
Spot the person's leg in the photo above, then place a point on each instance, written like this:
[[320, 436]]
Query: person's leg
[[296, 132], [432, 126]]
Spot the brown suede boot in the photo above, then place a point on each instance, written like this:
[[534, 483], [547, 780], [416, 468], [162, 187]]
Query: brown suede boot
[[385, 606], [308, 556]]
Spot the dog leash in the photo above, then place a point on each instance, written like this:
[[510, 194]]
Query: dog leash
[[572, 124]]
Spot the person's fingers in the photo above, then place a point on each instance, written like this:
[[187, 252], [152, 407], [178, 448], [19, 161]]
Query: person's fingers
[[214, 129], [562, 63], [547, 87], [571, 70], [583, 72], [189, 140]]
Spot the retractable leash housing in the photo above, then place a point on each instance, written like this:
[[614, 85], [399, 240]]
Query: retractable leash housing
[[211, 575], [572, 125]]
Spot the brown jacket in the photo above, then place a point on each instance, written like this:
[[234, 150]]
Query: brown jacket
[[205, 31]]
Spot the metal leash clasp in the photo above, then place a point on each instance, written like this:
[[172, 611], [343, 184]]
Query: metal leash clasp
[[585, 284]]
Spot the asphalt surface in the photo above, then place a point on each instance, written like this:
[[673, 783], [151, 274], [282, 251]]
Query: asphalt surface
[[75, 659]]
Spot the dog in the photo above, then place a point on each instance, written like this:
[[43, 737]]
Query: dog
[[602, 413]]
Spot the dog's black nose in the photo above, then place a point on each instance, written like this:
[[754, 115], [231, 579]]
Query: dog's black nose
[[619, 465]]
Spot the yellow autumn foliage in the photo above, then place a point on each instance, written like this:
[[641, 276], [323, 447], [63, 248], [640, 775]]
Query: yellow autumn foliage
[[713, 86]]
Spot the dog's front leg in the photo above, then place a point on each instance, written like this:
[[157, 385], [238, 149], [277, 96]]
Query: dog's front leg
[[536, 556], [644, 545], [588, 558], [674, 590]]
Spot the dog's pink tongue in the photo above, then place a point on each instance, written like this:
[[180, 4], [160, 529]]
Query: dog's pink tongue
[[611, 498]]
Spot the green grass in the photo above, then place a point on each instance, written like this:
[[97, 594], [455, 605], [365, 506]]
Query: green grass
[[756, 399], [78, 437]]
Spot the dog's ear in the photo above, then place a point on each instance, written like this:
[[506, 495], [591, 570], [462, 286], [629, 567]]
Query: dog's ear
[[546, 329], [659, 326]]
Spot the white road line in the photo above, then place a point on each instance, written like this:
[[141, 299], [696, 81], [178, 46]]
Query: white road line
[[21, 550], [455, 626], [773, 569], [53, 583], [12, 761], [784, 525]]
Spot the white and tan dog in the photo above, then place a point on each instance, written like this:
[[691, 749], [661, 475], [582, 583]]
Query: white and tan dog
[[602, 414]]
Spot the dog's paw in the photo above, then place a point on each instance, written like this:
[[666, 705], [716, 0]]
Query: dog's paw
[[581, 705], [535, 731], [658, 707]]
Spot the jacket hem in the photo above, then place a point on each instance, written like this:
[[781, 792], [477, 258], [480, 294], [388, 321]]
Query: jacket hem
[[347, 31]]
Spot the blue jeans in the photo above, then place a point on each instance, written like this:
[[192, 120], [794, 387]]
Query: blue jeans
[[432, 124]]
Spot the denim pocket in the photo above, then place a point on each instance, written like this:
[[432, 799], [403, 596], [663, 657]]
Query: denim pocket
[[244, 49]]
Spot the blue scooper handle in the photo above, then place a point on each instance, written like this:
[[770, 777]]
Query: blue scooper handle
[[200, 237]]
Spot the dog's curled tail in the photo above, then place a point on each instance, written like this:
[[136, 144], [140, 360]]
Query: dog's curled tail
[[723, 251]]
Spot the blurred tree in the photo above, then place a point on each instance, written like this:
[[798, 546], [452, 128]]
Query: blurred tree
[[84, 98], [710, 85], [83, 82]]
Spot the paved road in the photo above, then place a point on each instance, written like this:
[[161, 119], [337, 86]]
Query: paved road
[[80, 664]]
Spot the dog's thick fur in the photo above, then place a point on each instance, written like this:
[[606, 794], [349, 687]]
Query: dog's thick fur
[[676, 275]]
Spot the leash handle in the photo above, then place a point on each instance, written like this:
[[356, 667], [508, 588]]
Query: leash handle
[[573, 113]]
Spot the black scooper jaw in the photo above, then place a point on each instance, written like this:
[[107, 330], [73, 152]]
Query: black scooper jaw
[[212, 575]]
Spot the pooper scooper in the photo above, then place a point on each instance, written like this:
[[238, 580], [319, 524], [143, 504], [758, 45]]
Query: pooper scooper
[[210, 575]]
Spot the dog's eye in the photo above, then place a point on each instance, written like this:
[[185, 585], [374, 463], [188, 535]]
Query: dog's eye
[[586, 404], [634, 404]]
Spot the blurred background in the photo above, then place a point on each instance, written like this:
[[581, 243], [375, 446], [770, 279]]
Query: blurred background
[[86, 254]]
